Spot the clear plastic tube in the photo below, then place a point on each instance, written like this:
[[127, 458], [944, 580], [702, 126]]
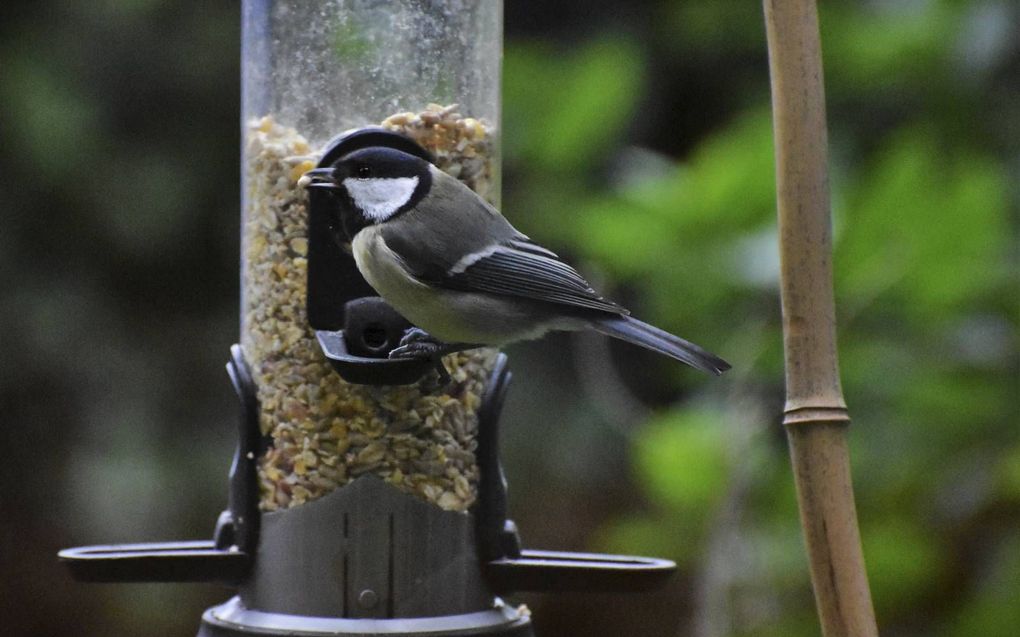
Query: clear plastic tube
[[311, 70]]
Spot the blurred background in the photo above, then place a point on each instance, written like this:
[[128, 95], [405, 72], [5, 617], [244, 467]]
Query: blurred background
[[637, 144]]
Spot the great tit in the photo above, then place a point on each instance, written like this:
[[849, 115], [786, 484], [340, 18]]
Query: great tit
[[454, 266]]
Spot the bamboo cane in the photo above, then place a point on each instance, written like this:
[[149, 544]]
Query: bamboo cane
[[816, 416]]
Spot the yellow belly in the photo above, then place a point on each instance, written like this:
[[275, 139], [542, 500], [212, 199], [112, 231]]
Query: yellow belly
[[432, 310]]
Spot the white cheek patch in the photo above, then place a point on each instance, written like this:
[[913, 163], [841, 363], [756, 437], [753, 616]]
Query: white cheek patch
[[379, 198]]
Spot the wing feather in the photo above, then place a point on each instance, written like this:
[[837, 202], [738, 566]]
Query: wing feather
[[525, 244], [531, 274]]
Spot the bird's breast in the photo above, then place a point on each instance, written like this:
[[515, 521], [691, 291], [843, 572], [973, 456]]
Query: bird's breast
[[385, 272]]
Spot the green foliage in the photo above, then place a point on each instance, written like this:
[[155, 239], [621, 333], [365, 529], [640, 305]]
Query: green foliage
[[906, 562], [642, 533], [725, 190], [1009, 473], [56, 123], [991, 610], [681, 461], [926, 301], [681, 465], [927, 204], [575, 106], [881, 46]]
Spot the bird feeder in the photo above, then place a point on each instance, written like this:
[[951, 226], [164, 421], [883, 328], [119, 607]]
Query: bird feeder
[[366, 494]]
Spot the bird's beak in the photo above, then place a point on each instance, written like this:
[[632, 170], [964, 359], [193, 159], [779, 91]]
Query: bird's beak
[[322, 178]]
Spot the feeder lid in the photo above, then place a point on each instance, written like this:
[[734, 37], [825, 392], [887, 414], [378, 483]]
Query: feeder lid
[[370, 137]]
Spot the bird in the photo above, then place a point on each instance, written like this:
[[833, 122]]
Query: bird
[[453, 266]]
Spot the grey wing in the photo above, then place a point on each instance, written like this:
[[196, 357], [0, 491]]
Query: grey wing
[[527, 271], [477, 250]]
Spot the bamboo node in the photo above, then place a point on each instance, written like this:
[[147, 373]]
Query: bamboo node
[[813, 415]]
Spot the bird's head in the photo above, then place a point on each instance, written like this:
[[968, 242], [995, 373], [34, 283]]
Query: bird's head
[[374, 185]]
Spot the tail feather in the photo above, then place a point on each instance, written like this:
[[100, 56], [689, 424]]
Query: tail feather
[[650, 337]]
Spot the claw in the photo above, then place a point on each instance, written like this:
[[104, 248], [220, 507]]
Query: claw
[[416, 335], [417, 343], [418, 350]]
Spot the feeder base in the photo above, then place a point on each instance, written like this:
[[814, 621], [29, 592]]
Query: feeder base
[[232, 618]]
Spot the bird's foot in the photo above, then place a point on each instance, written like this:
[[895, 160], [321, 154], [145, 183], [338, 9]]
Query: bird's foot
[[417, 343]]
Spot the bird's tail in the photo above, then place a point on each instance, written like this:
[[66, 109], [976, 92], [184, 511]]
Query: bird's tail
[[650, 337]]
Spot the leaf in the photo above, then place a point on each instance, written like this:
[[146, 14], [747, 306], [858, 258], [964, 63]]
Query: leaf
[[926, 226], [904, 561], [991, 608], [681, 462], [648, 534], [886, 46], [570, 109]]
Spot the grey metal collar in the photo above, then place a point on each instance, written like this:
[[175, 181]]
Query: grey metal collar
[[232, 618]]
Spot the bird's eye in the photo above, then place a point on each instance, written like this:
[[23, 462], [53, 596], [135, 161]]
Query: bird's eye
[[364, 172]]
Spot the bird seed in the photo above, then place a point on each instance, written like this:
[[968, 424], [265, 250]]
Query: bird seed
[[325, 431]]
